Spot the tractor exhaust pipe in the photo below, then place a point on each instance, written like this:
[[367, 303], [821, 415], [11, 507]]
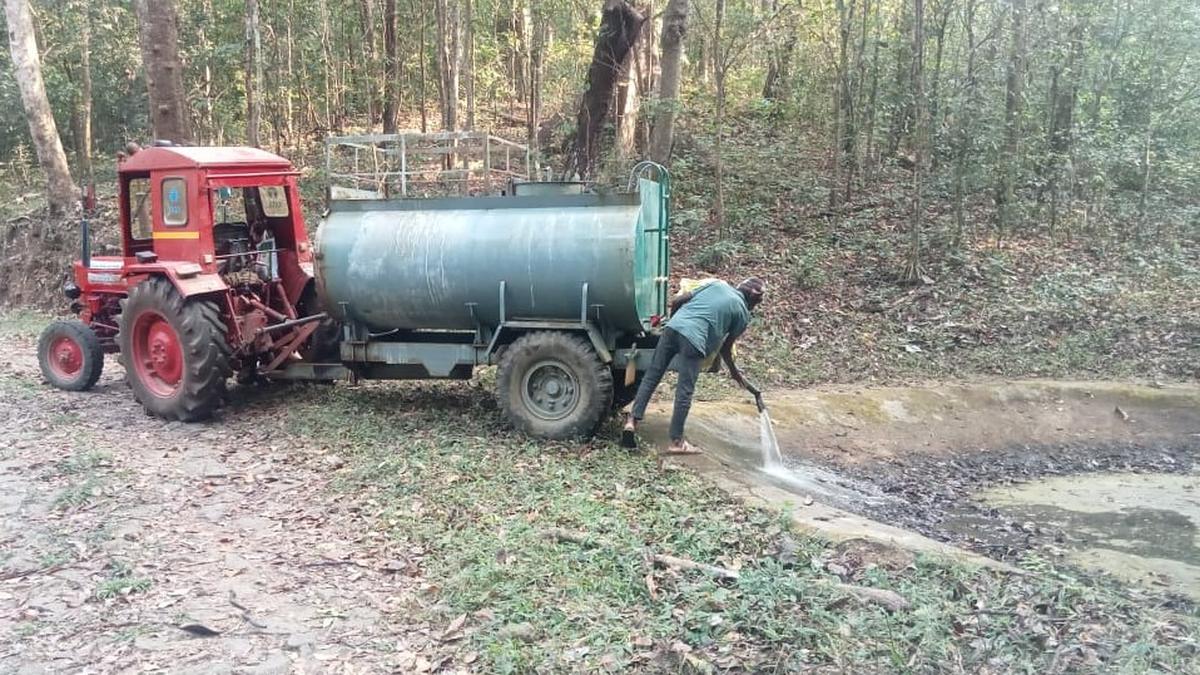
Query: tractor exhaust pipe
[[85, 229]]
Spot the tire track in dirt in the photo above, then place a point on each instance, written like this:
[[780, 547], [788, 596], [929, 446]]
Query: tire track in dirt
[[116, 529]]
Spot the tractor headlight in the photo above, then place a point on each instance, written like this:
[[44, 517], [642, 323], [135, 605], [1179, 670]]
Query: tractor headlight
[[71, 290]]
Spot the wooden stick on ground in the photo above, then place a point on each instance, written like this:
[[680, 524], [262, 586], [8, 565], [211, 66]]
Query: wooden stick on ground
[[685, 564]]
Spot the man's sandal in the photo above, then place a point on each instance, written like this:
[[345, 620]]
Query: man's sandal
[[629, 437], [684, 448]]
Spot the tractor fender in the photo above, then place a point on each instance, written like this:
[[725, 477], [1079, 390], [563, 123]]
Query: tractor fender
[[187, 277]]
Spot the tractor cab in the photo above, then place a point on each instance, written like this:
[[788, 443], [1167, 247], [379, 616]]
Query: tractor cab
[[215, 276], [217, 208]]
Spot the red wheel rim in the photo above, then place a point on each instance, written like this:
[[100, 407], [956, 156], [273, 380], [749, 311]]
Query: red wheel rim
[[157, 354], [66, 357]]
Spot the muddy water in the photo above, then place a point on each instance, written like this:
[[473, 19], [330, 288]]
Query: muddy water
[[1139, 527]]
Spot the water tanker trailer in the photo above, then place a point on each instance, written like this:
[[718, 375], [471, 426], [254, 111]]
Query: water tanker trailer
[[560, 289]]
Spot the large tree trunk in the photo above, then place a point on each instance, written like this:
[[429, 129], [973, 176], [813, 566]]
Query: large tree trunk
[[159, 39], [391, 68], [662, 136], [620, 25], [27, 69], [253, 74]]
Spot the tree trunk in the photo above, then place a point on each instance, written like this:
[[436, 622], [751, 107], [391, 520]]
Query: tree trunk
[[620, 25], [965, 131], [371, 64], [662, 136], [628, 102], [159, 38], [422, 64], [468, 64], [253, 74], [535, 34], [27, 70], [842, 106], [902, 110], [85, 97], [448, 14], [292, 84], [719, 72], [391, 69], [327, 65], [913, 272], [1014, 106]]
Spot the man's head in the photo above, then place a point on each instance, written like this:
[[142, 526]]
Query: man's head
[[753, 289]]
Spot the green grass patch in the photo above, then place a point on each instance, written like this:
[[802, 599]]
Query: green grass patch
[[474, 501], [78, 493], [121, 580], [22, 323]]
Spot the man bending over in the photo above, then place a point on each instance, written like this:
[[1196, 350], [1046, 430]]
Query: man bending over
[[702, 321]]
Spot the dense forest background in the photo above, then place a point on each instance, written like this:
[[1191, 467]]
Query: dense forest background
[[995, 178]]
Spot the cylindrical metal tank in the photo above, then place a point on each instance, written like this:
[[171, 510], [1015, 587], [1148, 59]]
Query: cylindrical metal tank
[[440, 264]]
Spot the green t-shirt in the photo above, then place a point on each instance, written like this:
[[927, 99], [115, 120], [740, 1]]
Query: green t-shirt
[[715, 313]]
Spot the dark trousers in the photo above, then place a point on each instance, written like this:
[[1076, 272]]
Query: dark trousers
[[688, 364]]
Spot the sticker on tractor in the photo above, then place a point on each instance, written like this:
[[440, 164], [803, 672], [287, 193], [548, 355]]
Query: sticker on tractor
[[103, 278], [174, 201], [274, 201]]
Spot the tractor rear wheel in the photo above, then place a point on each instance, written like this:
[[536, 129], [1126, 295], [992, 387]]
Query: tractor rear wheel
[[174, 350], [552, 385], [70, 355]]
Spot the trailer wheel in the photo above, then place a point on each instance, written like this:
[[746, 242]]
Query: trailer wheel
[[70, 355], [552, 385], [174, 350]]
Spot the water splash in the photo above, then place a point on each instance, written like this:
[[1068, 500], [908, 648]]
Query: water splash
[[772, 458], [808, 479]]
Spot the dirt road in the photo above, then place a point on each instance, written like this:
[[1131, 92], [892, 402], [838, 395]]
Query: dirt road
[[127, 542]]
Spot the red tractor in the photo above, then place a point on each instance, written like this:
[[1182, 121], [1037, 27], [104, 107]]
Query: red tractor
[[215, 278]]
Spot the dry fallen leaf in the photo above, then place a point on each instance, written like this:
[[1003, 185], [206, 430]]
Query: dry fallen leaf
[[454, 630]]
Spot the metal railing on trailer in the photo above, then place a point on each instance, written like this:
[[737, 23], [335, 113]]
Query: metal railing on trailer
[[390, 166]]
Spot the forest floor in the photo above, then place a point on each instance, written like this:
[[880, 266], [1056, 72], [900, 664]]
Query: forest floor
[[404, 527]]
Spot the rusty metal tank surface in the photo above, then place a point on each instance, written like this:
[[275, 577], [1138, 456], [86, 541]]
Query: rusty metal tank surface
[[443, 264]]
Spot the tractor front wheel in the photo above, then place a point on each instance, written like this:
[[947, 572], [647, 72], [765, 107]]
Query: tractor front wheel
[[174, 350], [552, 385], [70, 355]]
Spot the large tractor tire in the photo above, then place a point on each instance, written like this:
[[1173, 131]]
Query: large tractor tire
[[174, 350], [70, 355], [552, 385]]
